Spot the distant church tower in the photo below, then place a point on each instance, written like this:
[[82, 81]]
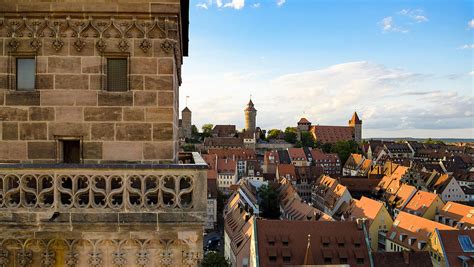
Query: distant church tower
[[186, 122], [250, 117], [356, 123]]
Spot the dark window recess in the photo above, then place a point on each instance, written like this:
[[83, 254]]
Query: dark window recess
[[117, 74], [25, 74], [71, 151]]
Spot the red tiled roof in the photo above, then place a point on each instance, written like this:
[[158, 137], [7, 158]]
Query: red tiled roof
[[332, 134], [226, 166], [452, 246], [339, 241], [297, 154], [286, 169], [233, 153], [458, 212], [420, 202], [303, 120], [402, 259]]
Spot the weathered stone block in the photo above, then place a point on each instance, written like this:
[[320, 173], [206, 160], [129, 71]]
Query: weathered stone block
[[102, 131], [3, 64], [74, 129], [165, 99], [41, 64], [133, 114], [145, 98], [102, 114], [115, 98], [45, 81], [41, 114], [165, 66], [33, 131], [71, 81], [2, 98], [159, 114], [122, 151], [86, 98], [162, 131], [57, 98], [69, 114], [161, 82], [64, 65], [95, 82], [92, 150], [22, 98], [10, 131], [91, 65], [13, 114], [133, 132], [136, 82], [143, 65], [13, 150], [42, 150], [158, 150], [3, 81]]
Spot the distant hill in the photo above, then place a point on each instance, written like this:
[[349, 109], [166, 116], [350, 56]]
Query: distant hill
[[445, 140]]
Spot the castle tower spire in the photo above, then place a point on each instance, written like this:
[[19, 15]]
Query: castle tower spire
[[250, 116], [356, 123]]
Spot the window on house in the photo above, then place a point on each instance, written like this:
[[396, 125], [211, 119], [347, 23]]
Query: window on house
[[71, 151], [25, 74], [117, 73]]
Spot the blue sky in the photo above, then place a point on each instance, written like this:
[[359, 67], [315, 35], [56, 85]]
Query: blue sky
[[405, 66]]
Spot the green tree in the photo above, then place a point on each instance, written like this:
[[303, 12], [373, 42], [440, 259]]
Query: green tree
[[291, 136], [344, 149], [207, 130], [214, 259], [269, 202], [194, 131], [307, 139], [274, 133], [430, 141], [189, 148]]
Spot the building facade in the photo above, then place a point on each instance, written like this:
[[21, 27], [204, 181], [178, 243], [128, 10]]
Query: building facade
[[89, 125]]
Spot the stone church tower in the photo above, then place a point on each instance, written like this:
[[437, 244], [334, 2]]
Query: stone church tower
[[250, 117], [356, 123], [90, 172]]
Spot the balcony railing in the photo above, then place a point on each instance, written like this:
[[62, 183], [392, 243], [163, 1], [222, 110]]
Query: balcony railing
[[109, 187]]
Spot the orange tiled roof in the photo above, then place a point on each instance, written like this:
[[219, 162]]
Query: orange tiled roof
[[226, 166], [303, 120], [459, 212], [420, 202], [233, 153], [408, 227], [365, 208], [355, 119], [404, 195]]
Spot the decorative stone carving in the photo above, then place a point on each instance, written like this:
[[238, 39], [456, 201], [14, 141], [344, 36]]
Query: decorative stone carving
[[145, 45], [48, 259], [35, 44], [190, 258], [72, 258], [166, 257], [58, 44], [4, 260], [123, 45], [115, 192], [119, 258], [142, 257], [13, 44], [79, 44], [101, 45], [95, 259], [168, 45], [24, 257]]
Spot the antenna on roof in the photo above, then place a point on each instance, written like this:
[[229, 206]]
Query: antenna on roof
[[187, 100]]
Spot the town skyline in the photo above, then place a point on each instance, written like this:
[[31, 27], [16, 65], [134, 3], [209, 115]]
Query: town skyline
[[407, 70]]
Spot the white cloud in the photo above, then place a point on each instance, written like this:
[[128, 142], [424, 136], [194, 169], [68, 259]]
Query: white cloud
[[219, 3], [467, 46], [202, 5], [470, 23], [388, 25], [387, 99], [256, 5], [471, 73], [415, 14], [280, 2], [235, 4]]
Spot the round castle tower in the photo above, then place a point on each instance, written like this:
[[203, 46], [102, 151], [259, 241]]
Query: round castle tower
[[250, 117]]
